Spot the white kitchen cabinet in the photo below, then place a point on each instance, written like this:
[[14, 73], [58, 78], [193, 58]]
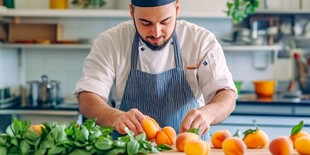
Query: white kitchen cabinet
[[214, 11], [207, 7], [282, 4], [284, 7], [274, 126]]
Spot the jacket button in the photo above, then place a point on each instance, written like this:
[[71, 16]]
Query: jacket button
[[142, 48]]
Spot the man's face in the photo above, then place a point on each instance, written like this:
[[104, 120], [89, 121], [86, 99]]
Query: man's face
[[155, 25]]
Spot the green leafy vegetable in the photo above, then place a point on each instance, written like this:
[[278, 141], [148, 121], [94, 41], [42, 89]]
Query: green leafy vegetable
[[85, 139], [297, 128]]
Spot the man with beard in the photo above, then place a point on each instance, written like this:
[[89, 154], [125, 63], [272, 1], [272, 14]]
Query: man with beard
[[155, 65]]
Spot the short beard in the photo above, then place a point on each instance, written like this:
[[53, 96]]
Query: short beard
[[155, 47]]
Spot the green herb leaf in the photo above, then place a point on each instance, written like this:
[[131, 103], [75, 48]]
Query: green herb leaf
[[32, 135], [24, 147], [47, 143], [89, 147], [94, 133], [58, 134], [40, 151], [133, 147], [141, 136], [250, 131], [154, 150], [129, 132], [143, 151], [89, 123], [79, 152], [119, 143], [9, 131], [163, 147], [56, 150], [195, 130], [14, 141], [297, 128], [146, 144], [237, 134], [104, 143], [3, 150], [117, 151], [16, 126]]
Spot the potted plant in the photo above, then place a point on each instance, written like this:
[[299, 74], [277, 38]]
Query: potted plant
[[89, 3], [240, 9]]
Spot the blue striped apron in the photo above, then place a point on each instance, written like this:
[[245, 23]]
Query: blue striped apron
[[166, 97]]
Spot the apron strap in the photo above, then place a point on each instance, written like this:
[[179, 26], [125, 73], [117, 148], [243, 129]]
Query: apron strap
[[177, 52], [135, 52]]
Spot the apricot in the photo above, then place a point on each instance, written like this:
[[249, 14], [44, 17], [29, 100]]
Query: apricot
[[302, 145], [150, 127], [197, 147], [298, 135], [256, 139], [183, 138], [37, 128], [233, 146], [218, 137], [281, 146], [166, 136]]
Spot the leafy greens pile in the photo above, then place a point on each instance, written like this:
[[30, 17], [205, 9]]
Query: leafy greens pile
[[85, 139]]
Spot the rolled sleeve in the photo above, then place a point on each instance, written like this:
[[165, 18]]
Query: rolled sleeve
[[98, 69], [213, 72]]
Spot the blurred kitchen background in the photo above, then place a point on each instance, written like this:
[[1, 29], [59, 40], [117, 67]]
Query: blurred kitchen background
[[43, 44]]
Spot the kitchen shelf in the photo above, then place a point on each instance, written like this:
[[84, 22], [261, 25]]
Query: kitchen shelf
[[281, 11], [108, 13], [251, 48], [226, 48], [49, 46]]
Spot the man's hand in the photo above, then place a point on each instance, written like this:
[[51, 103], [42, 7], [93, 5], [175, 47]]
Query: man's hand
[[195, 119], [131, 119]]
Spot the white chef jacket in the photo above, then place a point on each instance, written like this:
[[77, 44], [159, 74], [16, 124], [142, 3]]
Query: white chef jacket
[[107, 66]]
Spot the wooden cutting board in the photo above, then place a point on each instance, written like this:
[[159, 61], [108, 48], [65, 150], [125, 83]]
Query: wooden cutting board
[[220, 152]]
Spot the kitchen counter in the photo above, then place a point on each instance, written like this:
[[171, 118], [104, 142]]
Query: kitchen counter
[[276, 106], [247, 104], [220, 152], [61, 109], [62, 113]]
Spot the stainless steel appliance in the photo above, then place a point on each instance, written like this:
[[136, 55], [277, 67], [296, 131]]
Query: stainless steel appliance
[[44, 92]]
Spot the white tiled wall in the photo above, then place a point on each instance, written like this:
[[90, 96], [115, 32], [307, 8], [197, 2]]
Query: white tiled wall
[[9, 70], [65, 65]]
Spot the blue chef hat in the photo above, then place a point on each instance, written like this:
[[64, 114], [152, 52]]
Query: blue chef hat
[[150, 3]]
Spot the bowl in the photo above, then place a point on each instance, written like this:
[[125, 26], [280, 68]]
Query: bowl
[[264, 88]]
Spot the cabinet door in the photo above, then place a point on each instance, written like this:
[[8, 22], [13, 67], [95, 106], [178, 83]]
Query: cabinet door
[[207, 7], [282, 4]]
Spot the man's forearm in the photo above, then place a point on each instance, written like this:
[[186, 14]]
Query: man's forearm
[[220, 107], [93, 106]]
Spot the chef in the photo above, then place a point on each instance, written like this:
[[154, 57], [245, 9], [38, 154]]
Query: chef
[[171, 70]]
